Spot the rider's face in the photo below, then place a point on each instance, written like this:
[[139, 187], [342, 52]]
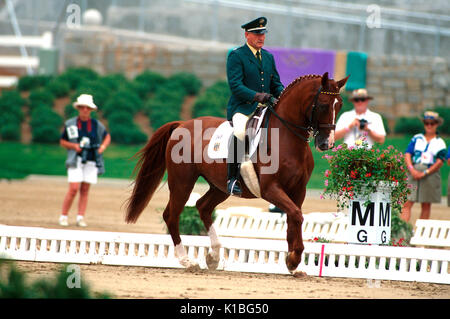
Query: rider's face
[[255, 40]]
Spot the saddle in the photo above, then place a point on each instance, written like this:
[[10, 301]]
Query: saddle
[[218, 146]]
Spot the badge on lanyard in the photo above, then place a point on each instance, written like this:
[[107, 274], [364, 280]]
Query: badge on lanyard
[[72, 131], [426, 158]]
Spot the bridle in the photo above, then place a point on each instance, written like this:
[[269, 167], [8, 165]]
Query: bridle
[[312, 128]]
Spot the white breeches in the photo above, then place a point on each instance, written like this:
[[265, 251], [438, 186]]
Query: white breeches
[[239, 123]]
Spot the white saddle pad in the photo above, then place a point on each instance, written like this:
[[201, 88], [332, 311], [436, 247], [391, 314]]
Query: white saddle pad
[[218, 145]]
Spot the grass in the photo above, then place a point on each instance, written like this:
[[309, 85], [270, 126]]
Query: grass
[[20, 160]]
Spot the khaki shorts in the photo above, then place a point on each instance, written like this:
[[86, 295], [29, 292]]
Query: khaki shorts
[[86, 173], [427, 189]]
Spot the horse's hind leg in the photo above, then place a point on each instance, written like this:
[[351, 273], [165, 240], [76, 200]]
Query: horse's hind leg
[[205, 206], [179, 194]]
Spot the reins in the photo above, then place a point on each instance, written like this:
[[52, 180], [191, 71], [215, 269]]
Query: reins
[[311, 129]]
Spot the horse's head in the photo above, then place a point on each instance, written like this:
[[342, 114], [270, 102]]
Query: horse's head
[[323, 113]]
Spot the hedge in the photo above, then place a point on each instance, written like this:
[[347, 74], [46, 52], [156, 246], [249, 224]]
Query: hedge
[[45, 125], [76, 76], [123, 100], [190, 82], [31, 82], [408, 125], [213, 102], [444, 112], [166, 104], [11, 115], [41, 96], [150, 80]]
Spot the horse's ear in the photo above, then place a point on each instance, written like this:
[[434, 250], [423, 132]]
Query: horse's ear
[[325, 80], [342, 82]]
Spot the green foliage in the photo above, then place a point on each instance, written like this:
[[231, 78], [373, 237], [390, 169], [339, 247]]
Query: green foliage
[[39, 97], [122, 100], [45, 125], [30, 82], [386, 124], [190, 82], [408, 125], [58, 87], [400, 228], [76, 76], [14, 284], [166, 104], [151, 80], [360, 171], [11, 115], [444, 112], [190, 222], [10, 132], [213, 102], [114, 81], [128, 134], [70, 111]]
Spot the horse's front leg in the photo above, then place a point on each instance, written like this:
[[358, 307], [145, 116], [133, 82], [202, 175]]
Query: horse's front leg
[[278, 197]]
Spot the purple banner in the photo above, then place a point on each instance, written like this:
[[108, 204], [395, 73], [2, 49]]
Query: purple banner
[[292, 63]]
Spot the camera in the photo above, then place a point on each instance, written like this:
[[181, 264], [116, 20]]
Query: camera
[[86, 146], [362, 123]]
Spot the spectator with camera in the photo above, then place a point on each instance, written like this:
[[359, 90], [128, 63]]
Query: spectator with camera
[[85, 139], [360, 123]]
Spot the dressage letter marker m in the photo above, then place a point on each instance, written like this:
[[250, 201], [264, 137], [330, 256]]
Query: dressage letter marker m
[[371, 223]]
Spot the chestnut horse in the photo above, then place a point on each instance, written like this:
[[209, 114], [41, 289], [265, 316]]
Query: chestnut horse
[[308, 105]]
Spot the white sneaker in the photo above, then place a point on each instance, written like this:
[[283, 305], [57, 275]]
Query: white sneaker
[[81, 222], [63, 221]]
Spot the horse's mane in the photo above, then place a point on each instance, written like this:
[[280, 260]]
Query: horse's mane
[[295, 82]]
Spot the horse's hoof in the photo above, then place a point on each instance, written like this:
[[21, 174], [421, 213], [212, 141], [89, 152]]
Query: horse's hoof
[[299, 274], [193, 267], [212, 262], [291, 262], [188, 264]]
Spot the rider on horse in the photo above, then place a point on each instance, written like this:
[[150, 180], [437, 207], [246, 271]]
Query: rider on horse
[[253, 79]]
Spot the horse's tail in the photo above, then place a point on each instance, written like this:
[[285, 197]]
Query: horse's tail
[[151, 166]]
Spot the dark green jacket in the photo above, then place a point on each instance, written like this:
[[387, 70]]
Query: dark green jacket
[[246, 77]]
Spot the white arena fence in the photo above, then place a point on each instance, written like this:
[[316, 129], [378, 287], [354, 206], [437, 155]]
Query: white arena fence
[[251, 222], [237, 254]]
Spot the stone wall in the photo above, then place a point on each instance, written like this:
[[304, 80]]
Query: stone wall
[[109, 51], [405, 86], [401, 86]]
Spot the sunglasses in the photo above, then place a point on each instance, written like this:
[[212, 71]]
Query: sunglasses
[[429, 123], [359, 99]]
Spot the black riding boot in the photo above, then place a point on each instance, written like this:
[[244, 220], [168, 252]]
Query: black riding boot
[[234, 166]]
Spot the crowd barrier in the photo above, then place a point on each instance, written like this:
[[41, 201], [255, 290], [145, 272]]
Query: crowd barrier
[[237, 254]]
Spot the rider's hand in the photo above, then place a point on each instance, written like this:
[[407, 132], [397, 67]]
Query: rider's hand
[[262, 97]]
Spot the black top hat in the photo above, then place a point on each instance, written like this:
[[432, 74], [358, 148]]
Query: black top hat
[[256, 26]]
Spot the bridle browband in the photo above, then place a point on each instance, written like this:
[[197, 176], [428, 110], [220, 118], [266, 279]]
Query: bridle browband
[[312, 128]]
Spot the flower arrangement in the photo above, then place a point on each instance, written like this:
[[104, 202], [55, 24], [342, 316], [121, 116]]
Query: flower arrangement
[[361, 170]]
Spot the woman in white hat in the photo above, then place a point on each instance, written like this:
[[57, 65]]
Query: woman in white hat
[[85, 139], [424, 158]]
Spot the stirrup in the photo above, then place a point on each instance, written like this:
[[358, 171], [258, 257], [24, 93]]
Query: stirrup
[[233, 187]]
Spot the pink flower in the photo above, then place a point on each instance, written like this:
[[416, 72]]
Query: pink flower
[[327, 173], [326, 182]]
